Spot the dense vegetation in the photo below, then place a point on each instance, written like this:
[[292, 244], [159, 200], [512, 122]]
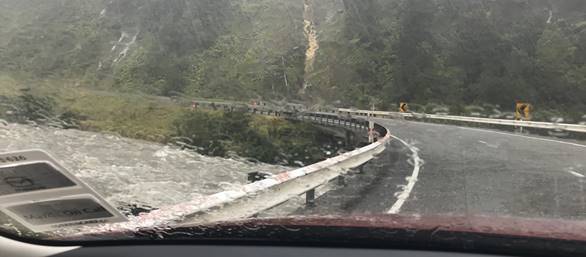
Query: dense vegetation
[[452, 52], [205, 48], [457, 52], [269, 140]]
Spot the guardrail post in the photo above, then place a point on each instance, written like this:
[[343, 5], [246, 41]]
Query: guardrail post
[[370, 131], [341, 180], [349, 138], [310, 198]]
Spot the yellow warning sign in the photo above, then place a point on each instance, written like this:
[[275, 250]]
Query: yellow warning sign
[[403, 107], [523, 111]]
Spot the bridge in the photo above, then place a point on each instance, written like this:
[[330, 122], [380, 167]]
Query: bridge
[[421, 164]]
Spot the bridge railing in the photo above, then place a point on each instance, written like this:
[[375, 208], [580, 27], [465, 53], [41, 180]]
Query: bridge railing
[[515, 123], [262, 195], [250, 199]]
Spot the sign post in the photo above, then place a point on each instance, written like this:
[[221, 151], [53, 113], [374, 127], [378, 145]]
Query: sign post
[[403, 107], [371, 125], [523, 112], [42, 195]]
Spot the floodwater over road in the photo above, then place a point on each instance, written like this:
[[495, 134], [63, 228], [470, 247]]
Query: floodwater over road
[[127, 171]]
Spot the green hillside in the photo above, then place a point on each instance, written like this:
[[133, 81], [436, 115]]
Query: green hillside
[[451, 52]]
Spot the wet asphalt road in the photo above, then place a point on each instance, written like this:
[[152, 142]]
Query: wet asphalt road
[[468, 171]]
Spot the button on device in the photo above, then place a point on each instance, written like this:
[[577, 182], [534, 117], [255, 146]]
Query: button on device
[[19, 182], [31, 177]]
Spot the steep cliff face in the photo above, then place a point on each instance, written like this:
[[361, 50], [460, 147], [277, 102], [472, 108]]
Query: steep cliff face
[[235, 48], [455, 52]]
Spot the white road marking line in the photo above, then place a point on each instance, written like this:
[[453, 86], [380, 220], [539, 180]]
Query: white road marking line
[[487, 144], [535, 138], [508, 134], [576, 174], [417, 163]]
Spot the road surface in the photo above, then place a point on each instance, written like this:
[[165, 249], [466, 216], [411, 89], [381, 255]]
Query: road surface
[[466, 171]]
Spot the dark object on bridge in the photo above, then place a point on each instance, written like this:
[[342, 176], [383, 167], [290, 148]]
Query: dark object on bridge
[[310, 198], [258, 176], [136, 210], [341, 180]]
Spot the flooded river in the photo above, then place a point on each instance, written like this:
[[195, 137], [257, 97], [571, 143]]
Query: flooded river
[[127, 171]]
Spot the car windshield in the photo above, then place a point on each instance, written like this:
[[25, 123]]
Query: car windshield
[[128, 115]]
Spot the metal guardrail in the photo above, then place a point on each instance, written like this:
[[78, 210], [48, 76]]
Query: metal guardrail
[[516, 123], [271, 192], [256, 197]]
